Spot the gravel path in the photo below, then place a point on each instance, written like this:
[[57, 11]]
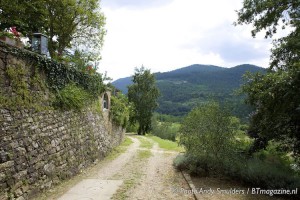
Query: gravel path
[[143, 172], [140, 173], [111, 168], [160, 178]]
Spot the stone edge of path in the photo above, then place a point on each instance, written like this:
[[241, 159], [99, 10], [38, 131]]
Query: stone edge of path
[[188, 179]]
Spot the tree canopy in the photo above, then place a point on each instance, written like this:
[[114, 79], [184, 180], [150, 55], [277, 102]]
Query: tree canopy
[[268, 15], [275, 95], [68, 23], [143, 94], [28, 16]]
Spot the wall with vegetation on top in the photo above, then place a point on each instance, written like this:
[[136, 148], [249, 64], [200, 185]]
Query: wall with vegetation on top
[[41, 145]]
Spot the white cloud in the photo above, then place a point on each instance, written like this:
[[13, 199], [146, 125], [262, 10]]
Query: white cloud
[[133, 4], [175, 33]]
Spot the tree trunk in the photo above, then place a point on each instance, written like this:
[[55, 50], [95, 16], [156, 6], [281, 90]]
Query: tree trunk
[[140, 130]]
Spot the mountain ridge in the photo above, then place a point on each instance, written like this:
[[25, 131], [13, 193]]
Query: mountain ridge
[[184, 88], [122, 83]]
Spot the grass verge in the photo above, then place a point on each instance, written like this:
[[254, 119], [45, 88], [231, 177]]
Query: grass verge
[[128, 183], [166, 144], [143, 154], [131, 173], [145, 143], [119, 149]]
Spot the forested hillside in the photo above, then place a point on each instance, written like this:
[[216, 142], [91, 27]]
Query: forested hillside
[[184, 88]]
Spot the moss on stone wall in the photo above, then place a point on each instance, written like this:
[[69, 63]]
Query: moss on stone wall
[[57, 75], [21, 86], [26, 90]]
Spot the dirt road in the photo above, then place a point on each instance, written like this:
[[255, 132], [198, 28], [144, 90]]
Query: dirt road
[[143, 172]]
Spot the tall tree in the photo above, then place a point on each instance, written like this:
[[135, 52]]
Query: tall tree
[[76, 24], [276, 95], [28, 16], [143, 93], [268, 15]]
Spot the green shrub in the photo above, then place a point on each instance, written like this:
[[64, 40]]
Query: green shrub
[[254, 171], [268, 175], [165, 130], [72, 97], [215, 145], [119, 111], [244, 127], [132, 127], [181, 162], [197, 166], [207, 131]]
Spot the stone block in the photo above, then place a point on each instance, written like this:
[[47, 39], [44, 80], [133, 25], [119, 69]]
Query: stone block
[[3, 196], [46, 185], [3, 157], [20, 198], [29, 149], [49, 169], [20, 160], [18, 192], [33, 177], [21, 175], [7, 164], [2, 177], [21, 151], [3, 187], [10, 182], [21, 166], [30, 120], [25, 188], [35, 145], [53, 143], [4, 111], [52, 151]]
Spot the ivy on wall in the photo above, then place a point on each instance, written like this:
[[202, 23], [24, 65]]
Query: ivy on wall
[[72, 97], [58, 75], [120, 110]]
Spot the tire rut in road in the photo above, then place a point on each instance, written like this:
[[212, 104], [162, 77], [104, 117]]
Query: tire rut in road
[[108, 170], [160, 179], [131, 173]]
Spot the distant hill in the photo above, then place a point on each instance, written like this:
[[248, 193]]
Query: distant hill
[[184, 88], [122, 84]]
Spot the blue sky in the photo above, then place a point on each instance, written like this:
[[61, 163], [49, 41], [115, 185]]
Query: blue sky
[[164, 35]]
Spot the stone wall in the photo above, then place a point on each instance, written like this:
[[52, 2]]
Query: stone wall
[[41, 147]]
